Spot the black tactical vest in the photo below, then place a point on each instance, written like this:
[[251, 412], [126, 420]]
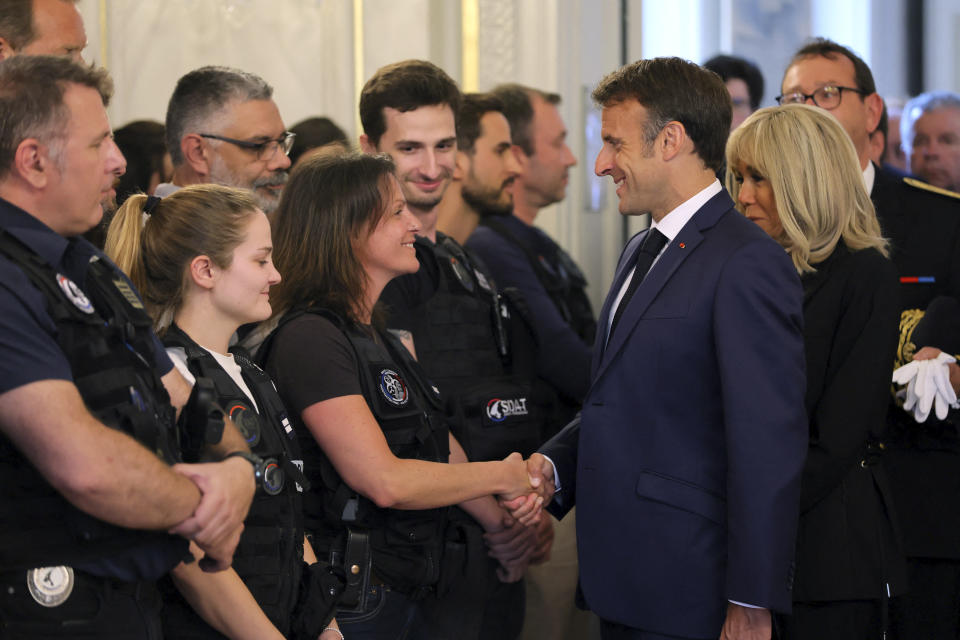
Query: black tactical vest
[[473, 348], [561, 277], [406, 546], [270, 554], [106, 337]]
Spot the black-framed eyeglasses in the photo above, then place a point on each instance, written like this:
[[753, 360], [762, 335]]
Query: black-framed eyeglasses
[[826, 97], [264, 150]]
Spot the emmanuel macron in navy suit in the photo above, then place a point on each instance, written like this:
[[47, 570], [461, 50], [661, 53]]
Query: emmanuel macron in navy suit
[[685, 462]]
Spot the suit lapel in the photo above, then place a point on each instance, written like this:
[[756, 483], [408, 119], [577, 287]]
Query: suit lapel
[[680, 249]]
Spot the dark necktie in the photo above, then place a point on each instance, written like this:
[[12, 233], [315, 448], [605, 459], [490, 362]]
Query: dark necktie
[[652, 244]]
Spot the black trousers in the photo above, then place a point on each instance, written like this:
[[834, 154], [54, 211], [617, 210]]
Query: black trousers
[[841, 620], [96, 608]]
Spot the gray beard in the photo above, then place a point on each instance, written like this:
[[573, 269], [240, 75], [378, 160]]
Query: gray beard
[[219, 174]]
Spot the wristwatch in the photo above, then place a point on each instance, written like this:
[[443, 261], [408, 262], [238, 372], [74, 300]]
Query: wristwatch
[[267, 473]]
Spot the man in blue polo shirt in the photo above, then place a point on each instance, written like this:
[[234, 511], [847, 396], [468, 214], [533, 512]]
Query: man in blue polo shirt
[[92, 510]]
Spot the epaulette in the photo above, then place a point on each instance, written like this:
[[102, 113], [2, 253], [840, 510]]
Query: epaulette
[[909, 319], [919, 184]]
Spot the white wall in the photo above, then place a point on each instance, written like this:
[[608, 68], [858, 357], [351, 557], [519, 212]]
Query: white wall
[[317, 54]]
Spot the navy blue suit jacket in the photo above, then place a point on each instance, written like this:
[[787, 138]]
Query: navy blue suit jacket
[[685, 462]]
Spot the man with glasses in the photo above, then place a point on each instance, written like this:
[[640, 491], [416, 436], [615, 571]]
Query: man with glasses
[[223, 127], [923, 460]]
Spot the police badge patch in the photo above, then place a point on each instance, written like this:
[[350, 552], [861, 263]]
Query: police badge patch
[[393, 388], [50, 586], [499, 409], [73, 293]]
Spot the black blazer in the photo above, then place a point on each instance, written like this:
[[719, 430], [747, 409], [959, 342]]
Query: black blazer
[[846, 545], [924, 231]]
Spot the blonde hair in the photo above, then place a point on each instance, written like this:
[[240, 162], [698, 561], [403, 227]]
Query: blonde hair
[[811, 165], [155, 248]]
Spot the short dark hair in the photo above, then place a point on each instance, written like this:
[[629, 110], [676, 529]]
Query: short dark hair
[[201, 94], [728, 67], [330, 202], [31, 99], [472, 110], [404, 86], [675, 89], [826, 48], [313, 133], [518, 108], [142, 144]]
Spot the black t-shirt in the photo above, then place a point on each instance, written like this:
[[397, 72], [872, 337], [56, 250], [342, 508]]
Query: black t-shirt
[[311, 360]]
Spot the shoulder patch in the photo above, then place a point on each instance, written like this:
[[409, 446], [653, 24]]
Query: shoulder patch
[[919, 184]]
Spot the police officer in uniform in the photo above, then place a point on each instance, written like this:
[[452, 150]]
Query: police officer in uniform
[[521, 255], [212, 248], [87, 424], [371, 425], [469, 337]]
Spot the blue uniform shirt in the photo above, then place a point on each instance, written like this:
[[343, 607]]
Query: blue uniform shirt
[[28, 346], [29, 352]]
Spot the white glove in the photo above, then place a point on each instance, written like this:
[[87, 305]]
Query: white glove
[[928, 387], [946, 397], [907, 375]]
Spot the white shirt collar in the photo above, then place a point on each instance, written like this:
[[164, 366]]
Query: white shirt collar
[[869, 174], [671, 224]]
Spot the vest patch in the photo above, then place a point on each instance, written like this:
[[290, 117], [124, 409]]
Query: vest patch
[[499, 410], [393, 388], [127, 293], [462, 275], [73, 293], [50, 586], [482, 279]]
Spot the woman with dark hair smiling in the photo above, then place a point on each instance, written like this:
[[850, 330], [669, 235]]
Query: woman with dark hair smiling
[[370, 424]]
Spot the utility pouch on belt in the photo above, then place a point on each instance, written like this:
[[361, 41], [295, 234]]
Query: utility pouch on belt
[[355, 560], [464, 556]]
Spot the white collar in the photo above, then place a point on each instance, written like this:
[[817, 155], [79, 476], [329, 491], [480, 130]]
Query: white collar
[[869, 175], [671, 224]]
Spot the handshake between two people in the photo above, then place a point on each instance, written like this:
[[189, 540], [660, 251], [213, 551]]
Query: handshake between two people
[[523, 536], [533, 483]]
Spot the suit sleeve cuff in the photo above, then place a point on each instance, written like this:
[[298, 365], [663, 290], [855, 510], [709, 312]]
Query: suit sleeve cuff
[[556, 476]]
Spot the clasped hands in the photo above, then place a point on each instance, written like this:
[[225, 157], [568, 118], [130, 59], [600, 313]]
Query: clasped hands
[[226, 490], [521, 536], [533, 483]]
